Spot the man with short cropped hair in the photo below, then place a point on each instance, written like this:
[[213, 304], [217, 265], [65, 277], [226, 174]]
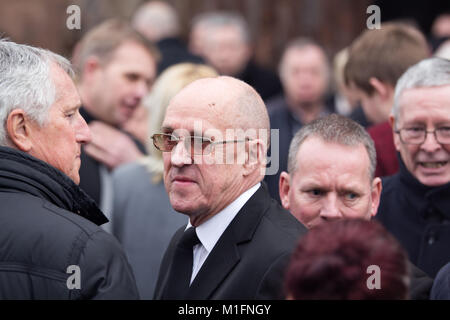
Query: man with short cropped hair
[[331, 177], [331, 173]]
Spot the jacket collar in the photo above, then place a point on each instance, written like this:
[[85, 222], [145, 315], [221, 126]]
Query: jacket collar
[[425, 196], [225, 255], [25, 173]]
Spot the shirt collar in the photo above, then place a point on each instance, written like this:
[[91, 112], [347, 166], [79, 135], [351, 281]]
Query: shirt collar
[[211, 230]]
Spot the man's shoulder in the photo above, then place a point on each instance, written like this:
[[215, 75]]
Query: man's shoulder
[[32, 223], [441, 289], [34, 215], [276, 106], [389, 200], [277, 230], [390, 185], [283, 223]]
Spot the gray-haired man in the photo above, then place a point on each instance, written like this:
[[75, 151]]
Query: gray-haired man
[[415, 203], [51, 246]]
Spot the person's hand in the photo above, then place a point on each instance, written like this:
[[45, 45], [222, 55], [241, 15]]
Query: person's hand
[[110, 146]]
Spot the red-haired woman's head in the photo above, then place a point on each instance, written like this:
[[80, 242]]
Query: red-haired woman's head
[[333, 261]]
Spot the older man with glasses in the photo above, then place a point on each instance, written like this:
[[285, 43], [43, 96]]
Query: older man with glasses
[[238, 240], [415, 203]]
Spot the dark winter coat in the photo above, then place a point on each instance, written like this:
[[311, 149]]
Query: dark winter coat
[[50, 238]]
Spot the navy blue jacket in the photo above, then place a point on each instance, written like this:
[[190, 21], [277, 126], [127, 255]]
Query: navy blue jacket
[[419, 217]]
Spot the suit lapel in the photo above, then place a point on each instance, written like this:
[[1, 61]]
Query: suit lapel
[[225, 254]]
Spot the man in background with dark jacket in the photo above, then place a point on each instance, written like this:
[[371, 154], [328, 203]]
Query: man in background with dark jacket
[[51, 245]]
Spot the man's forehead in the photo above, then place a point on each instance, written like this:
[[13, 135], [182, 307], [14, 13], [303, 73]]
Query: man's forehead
[[438, 97], [204, 97], [65, 87], [425, 93], [131, 55], [314, 151], [297, 54]]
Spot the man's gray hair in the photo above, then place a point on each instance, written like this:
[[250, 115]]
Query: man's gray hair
[[26, 83], [218, 19], [335, 129], [431, 72]]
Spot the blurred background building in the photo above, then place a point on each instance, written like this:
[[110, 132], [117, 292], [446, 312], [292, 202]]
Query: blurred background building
[[332, 23]]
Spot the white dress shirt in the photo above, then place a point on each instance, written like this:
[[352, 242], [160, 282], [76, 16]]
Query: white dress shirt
[[212, 229]]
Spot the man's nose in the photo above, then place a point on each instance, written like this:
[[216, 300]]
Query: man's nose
[[430, 144], [330, 209], [180, 156], [83, 133], [141, 89]]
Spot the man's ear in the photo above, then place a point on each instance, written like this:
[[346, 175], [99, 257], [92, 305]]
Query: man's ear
[[91, 65], [284, 188], [255, 154], [376, 194], [18, 130], [384, 90]]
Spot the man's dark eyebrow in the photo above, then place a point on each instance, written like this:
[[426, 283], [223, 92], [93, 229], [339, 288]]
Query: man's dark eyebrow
[[352, 190]]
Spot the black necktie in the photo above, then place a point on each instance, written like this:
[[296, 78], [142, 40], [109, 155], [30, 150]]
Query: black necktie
[[181, 270]]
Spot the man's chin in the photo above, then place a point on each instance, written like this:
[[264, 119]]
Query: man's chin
[[183, 208], [186, 205], [434, 181], [75, 179]]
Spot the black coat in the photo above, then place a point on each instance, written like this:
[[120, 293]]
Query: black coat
[[249, 260], [48, 224], [419, 217]]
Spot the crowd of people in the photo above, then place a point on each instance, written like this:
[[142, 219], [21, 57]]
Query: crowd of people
[[149, 168]]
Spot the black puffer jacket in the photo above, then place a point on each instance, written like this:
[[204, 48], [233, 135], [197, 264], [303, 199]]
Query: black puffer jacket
[[50, 239]]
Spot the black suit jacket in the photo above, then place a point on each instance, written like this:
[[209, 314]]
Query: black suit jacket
[[249, 260]]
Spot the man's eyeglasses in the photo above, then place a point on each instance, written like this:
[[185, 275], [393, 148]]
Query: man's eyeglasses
[[194, 144], [417, 135]]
